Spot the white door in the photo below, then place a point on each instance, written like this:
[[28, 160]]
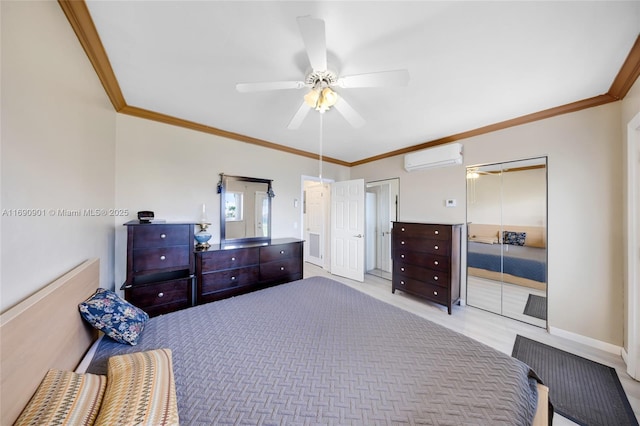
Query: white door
[[371, 251], [347, 229], [314, 223], [384, 230], [633, 247], [380, 215]]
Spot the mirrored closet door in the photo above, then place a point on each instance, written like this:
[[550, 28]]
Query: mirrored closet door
[[507, 239]]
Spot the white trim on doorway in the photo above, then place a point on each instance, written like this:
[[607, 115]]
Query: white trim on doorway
[[632, 353]]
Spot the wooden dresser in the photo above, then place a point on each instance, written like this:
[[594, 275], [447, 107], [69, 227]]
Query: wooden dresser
[[224, 271], [426, 261], [160, 266]]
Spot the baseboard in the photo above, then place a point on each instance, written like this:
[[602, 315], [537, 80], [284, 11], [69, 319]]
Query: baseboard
[[588, 341]]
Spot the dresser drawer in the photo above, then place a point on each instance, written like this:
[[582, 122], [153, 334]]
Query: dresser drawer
[[228, 279], [162, 258], [432, 292], [427, 260], [281, 270], [438, 278], [430, 231], [228, 259], [161, 297], [277, 252], [161, 235], [405, 242]]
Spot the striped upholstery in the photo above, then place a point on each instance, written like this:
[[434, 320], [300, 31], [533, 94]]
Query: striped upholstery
[[140, 390], [65, 398]]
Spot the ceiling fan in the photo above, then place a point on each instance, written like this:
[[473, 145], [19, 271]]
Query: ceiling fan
[[321, 81]]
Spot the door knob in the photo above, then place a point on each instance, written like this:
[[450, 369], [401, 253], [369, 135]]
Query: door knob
[[358, 236]]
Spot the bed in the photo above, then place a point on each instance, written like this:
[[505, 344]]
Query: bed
[[316, 351], [490, 257]]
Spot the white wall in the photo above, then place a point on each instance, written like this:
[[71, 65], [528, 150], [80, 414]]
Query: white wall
[[585, 199], [57, 152], [173, 171]]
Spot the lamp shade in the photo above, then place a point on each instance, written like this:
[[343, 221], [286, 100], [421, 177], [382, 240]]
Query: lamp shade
[[329, 97], [311, 98]]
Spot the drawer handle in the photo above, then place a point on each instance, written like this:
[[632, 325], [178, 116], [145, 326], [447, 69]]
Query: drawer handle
[[435, 262], [435, 247], [233, 258], [435, 293], [402, 229], [282, 268], [163, 257], [435, 278], [436, 232], [163, 235], [233, 278], [402, 242], [402, 269], [401, 282], [160, 294], [281, 251]]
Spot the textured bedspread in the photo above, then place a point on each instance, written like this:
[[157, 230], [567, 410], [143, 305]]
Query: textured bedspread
[[316, 351]]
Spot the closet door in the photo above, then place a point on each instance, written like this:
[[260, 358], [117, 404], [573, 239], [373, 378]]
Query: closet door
[[507, 234], [524, 236], [484, 252]]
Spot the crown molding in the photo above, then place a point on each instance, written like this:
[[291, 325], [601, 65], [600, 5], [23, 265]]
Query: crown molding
[[168, 119], [79, 17], [628, 74], [529, 118]]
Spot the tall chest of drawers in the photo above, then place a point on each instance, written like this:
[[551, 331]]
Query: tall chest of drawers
[[426, 261], [160, 266], [223, 272]]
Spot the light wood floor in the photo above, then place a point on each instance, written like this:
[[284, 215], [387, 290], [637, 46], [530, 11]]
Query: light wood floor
[[491, 329], [496, 297]]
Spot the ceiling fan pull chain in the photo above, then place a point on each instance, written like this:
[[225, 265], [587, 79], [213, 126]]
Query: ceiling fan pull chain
[[320, 156]]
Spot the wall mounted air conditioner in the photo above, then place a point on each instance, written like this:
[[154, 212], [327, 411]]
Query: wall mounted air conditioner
[[439, 156]]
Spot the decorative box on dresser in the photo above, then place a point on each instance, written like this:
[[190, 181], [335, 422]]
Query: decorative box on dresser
[[160, 266], [426, 261], [225, 271]]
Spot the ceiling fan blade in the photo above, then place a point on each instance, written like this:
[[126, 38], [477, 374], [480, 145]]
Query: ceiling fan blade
[[349, 113], [269, 85], [375, 79], [314, 38], [299, 117]]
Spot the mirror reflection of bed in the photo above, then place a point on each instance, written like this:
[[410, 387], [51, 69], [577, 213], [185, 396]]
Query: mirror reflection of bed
[[507, 239]]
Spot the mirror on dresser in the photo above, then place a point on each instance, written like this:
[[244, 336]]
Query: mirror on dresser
[[507, 239], [245, 209]]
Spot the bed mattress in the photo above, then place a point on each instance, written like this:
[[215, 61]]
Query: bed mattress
[[316, 351]]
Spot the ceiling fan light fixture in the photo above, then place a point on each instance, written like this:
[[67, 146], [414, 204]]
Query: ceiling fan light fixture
[[329, 97], [321, 99], [312, 98]]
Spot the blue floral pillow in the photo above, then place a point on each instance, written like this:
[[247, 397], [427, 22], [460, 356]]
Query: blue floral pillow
[[514, 238], [115, 317]]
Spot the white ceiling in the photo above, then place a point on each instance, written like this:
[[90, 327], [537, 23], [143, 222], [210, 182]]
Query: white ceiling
[[471, 64]]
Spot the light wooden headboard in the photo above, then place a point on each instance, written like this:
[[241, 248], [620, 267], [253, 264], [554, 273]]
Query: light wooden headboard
[[44, 331], [536, 235]]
